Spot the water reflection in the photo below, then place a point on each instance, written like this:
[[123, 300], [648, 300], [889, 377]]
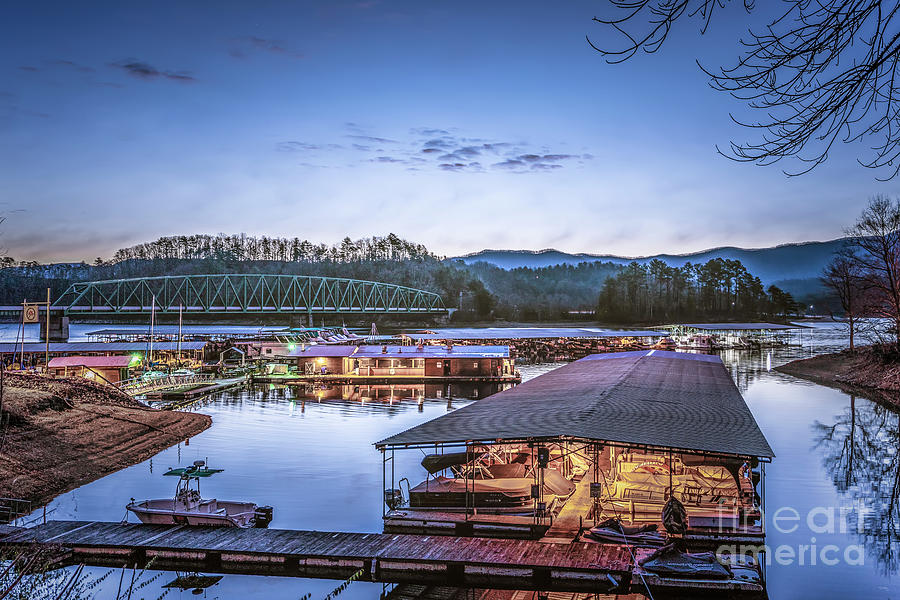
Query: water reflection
[[860, 453], [383, 395]]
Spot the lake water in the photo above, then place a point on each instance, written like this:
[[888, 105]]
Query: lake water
[[312, 459]]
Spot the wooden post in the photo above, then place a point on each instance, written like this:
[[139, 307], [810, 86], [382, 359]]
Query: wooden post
[[178, 364], [22, 357], [47, 337], [152, 315]]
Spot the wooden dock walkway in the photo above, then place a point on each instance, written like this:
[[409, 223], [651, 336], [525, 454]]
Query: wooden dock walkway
[[181, 397], [396, 558], [567, 524]]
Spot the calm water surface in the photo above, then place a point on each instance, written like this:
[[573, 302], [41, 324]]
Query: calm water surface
[[313, 460]]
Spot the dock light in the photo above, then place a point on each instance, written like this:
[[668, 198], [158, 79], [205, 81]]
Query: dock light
[[292, 347]]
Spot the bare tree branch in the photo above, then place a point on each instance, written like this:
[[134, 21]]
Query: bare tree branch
[[820, 72]]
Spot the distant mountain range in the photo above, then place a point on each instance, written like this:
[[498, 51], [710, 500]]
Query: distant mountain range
[[797, 265]]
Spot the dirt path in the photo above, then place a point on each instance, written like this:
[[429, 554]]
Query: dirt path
[[64, 433]]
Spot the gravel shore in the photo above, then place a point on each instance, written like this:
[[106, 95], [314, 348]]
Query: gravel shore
[[59, 434]]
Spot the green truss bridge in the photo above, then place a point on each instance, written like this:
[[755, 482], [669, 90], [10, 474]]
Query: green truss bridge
[[246, 295]]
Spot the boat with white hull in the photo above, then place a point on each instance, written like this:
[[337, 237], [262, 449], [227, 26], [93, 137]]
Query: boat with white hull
[[187, 507]]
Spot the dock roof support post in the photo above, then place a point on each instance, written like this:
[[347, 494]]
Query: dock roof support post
[[534, 476], [469, 475], [595, 451]]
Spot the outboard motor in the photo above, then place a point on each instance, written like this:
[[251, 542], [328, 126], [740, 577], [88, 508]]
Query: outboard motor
[[393, 498], [262, 516]]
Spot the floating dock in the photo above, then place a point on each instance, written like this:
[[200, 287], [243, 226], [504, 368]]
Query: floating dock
[[389, 558], [180, 393]]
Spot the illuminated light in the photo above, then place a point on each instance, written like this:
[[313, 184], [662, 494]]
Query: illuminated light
[[292, 347], [135, 359], [321, 361]]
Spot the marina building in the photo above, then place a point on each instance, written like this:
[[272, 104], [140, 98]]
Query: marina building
[[420, 361], [104, 369]]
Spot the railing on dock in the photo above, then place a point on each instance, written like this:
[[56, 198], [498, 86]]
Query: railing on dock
[[139, 385], [12, 509]]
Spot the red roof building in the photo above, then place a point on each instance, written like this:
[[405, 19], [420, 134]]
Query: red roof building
[[106, 369]]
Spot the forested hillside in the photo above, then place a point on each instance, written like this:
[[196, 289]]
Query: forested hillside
[[717, 289], [794, 267]]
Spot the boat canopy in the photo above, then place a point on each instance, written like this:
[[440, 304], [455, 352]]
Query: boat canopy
[[438, 462], [193, 471]]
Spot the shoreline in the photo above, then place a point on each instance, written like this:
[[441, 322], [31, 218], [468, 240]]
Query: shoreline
[[855, 373], [66, 432]]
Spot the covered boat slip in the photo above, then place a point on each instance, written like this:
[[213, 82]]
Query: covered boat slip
[[736, 335], [645, 426]]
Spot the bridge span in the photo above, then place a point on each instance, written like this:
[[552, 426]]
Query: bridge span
[[246, 294]]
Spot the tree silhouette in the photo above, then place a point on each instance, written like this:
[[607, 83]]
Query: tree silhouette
[[843, 277], [875, 256], [719, 288]]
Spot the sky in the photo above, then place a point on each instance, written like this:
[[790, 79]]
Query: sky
[[459, 125]]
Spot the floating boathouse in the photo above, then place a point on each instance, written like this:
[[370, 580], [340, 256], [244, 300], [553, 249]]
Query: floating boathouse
[[627, 430], [352, 363]]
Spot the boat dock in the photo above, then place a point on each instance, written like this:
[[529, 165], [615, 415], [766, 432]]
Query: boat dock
[[378, 557], [179, 393]]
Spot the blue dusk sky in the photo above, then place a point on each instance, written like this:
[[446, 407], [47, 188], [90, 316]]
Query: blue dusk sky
[[460, 125]]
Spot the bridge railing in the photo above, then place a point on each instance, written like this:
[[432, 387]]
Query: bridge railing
[[246, 293]]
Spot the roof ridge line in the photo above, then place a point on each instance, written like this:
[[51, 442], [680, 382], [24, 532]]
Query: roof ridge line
[[627, 373]]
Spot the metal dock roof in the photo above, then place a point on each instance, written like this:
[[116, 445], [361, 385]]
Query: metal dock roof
[[387, 351], [185, 330], [739, 326], [114, 362], [433, 352], [662, 399], [74, 347], [507, 333]]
